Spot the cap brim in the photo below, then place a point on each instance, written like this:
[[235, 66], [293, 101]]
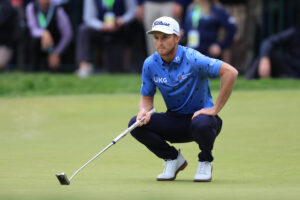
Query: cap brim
[[160, 30]]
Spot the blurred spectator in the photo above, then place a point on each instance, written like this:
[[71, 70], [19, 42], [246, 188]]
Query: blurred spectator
[[202, 26], [252, 26], [17, 3], [105, 21], [279, 56], [50, 31], [9, 32], [235, 54], [19, 57], [149, 10], [180, 8]]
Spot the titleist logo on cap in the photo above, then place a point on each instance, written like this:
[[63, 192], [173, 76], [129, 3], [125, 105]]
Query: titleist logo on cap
[[166, 25], [161, 23]]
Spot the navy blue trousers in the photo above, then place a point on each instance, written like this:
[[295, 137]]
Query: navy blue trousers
[[178, 128]]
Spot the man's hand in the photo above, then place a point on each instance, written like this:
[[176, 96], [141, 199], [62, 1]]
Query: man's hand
[[206, 111], [109, 27], [53, 60], [46, 40], [264, 67], [215, 50], [119, 22], [141, 114]]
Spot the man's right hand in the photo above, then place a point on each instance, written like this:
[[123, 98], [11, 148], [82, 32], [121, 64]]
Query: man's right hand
[[46, 40], [141, 114]]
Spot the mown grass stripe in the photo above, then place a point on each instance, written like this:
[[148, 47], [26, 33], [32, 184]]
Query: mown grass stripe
[[20, 84]]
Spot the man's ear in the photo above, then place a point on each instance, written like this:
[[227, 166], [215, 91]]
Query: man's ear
[[177, 38]]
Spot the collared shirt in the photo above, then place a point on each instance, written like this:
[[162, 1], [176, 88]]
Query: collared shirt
[[184, 82]]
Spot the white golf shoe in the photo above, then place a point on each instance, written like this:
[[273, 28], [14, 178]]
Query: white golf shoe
[[204, 172], [172, 167], [84, 72]]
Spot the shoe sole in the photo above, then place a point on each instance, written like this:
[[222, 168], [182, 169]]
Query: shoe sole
[[204, 180], [173, 178]]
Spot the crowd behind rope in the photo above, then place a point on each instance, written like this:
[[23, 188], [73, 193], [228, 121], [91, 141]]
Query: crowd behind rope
[[108, 36]]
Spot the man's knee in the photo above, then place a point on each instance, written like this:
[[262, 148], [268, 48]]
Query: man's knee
[[201, 123], [135, 133], [84, 31], [206, 126]]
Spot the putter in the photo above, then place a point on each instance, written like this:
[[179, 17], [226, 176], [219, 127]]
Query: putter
[[62, 177]]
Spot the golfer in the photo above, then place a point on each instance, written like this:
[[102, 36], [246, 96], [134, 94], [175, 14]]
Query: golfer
[[181, 74]]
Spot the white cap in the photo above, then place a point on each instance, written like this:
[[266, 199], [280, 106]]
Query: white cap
[[166, 25]]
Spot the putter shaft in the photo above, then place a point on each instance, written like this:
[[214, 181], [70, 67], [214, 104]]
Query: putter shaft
[[62, 177]]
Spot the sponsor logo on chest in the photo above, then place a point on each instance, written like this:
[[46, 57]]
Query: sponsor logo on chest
[[160, 80], [184, 76]]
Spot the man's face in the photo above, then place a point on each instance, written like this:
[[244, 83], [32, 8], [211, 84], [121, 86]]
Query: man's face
[[44, 3], [164, 43], [200, 1]]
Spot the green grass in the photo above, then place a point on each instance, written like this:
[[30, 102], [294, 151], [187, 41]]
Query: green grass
[[256, 155], [19, 84]]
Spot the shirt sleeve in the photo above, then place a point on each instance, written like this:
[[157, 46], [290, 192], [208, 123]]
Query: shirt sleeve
[[130, 10], [90, 15], [148, 86], [65, 28], [276, 41], [229, 25], [32, 22], [207, 66], [187, 25]]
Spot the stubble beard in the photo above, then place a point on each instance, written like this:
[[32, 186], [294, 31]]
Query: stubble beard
[[169, 53]]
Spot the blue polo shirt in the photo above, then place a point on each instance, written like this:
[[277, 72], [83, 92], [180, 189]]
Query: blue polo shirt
[[184, 82]]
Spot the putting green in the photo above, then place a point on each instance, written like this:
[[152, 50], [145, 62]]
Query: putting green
[[256, 155]]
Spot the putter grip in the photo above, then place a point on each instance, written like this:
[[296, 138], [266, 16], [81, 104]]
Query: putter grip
[[133, 126], [151, 112]]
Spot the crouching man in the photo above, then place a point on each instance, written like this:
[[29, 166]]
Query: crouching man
[[182, 76]]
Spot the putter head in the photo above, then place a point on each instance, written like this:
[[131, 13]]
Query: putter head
[[63, 179]]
